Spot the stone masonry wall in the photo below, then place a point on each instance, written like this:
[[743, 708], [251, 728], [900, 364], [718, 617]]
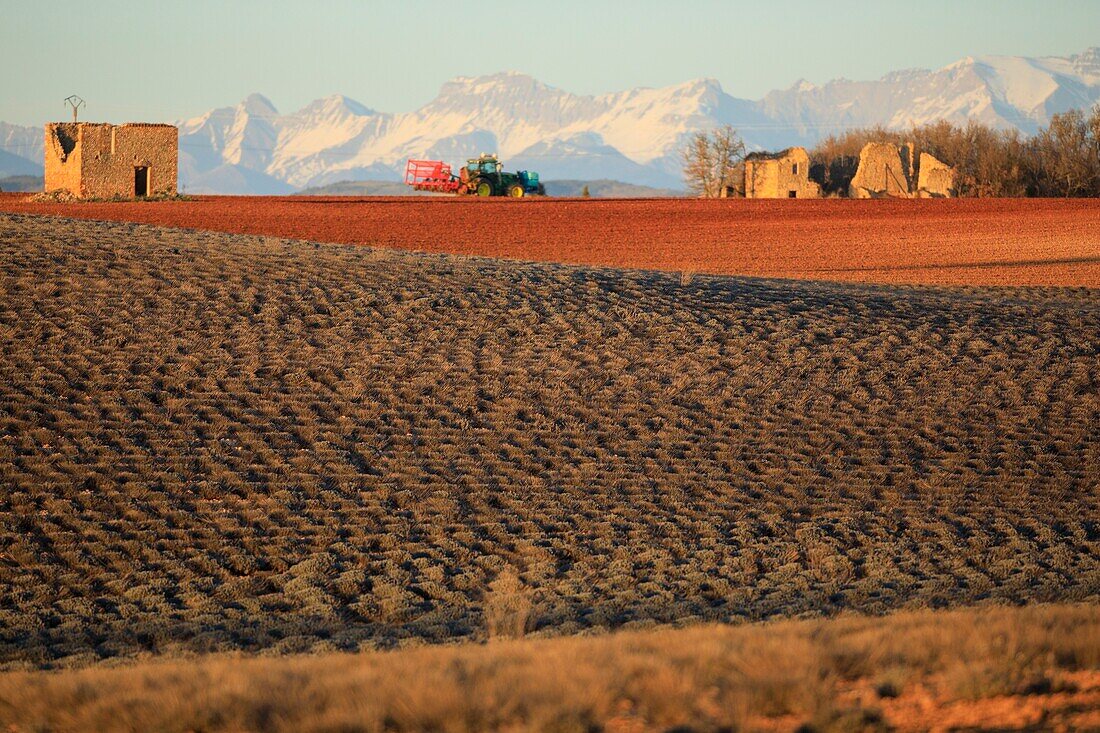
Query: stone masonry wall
[[884, 170], [105, 158], [62, 158], [935, 179], [776, 177], [761, 179]]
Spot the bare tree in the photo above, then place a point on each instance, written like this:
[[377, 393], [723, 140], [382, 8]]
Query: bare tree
[[712, 160]]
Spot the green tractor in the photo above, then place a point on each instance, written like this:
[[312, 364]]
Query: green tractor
[[483, 176]]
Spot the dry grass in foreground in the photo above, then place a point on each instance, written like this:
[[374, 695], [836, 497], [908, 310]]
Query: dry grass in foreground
[[992, 668]]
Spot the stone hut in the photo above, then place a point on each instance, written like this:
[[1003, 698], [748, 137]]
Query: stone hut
[[781, 175], [885, 170], [935, 179], [95, 160]]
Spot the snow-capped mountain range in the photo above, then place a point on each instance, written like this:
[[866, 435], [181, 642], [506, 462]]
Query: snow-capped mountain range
[[632, 136]]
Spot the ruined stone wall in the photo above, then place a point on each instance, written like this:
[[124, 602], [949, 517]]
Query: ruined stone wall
[[761, 179], [62, 157], [884, 170], [769, 178], [103, 161], [935, 179], [113, 152], [794, 175]]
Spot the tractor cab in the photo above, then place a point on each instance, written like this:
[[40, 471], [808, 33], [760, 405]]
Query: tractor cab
[[485, 165]]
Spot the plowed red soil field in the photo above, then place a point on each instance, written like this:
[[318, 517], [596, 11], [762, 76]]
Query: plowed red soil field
[[962, 241]]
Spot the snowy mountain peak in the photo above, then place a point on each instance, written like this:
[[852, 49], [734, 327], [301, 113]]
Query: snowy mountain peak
[[964, 62], [693, 87], [1087, 64], [903, 76], [706, 83], [334, 105], [1089, 58], [500, 76], [257, 104], [505, 82], [704, 95]]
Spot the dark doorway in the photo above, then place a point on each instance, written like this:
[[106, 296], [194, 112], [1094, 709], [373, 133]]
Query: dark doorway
[[141, 180], [792, 194]]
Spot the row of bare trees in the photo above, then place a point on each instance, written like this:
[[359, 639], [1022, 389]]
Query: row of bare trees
[[1061, 160]]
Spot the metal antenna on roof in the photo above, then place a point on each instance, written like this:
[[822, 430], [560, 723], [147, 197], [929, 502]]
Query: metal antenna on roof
[[75, 102]]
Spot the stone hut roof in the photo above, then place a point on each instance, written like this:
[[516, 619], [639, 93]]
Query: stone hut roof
[[111, 124], [765, 155]]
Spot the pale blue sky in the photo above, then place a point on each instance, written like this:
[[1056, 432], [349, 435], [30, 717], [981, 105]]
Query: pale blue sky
[[160, 61]]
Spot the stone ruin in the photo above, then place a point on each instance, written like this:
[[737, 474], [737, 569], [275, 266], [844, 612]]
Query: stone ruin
[[95, 160], [887, 170], [781, 175], [935, 179]]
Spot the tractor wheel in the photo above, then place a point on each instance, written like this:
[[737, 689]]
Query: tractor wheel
[[516, 191], [483, 188]]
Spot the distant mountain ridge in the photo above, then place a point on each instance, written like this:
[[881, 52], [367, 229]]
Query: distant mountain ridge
[[632, 136], [21, 150]]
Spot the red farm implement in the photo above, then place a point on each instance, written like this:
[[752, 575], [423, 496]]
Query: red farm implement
[[431, 175]]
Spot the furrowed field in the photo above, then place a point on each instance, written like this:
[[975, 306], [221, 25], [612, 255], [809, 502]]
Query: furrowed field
[[235, 443]]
